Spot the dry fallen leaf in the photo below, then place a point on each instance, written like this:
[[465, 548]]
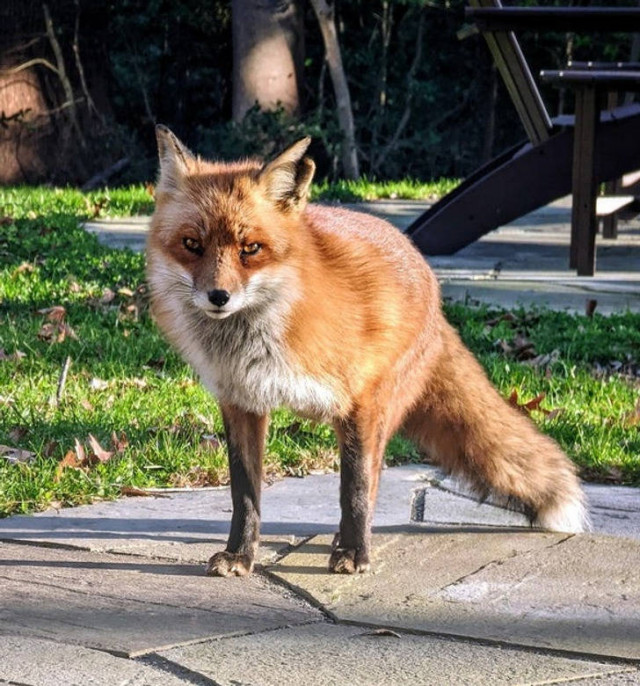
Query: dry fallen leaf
[[506, 317], [503, 345], [552, 414], [86, 405], [16, 455], [17, 433], [211, 441], [293, 429], [632, 418], [24, 267], [535, 403], [120, 443], [55, 330], [69, 461], [94, 208], [102, 454], [98, 384], [523, 348], [79, 448], [544, 360], [107, 296], [590, 307], [14, 357], [50, 448], [130, 491], [55, 314], [531, 405]]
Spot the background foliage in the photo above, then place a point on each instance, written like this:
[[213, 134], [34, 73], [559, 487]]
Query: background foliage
[[425, 103]]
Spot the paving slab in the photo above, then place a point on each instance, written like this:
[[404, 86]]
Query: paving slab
[[187, 527], [614, 510], [439, 505], [191, 526], [509, 294], [130, 605], [327, 654], [576, 593], [39, 662]]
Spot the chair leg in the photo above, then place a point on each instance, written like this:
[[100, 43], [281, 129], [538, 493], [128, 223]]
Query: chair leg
[[610, 222], [583, 212]]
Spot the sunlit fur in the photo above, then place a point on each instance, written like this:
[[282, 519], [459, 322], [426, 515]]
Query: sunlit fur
[[337, 317]]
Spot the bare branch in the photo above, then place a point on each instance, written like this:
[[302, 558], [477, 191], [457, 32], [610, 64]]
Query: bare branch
[[24, 46], [62, 380], [62, 73], [27, 65], [404, 120], [325, 15], [76, 52]]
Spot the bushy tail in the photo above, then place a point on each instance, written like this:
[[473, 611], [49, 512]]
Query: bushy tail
[[464, 425]]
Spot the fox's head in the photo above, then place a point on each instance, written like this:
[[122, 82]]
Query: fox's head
[[223, 236]]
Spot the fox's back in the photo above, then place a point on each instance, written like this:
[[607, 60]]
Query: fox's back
[[374, 243]]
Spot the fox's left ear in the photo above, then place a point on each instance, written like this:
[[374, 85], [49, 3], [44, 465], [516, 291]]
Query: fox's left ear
[[286, 179], [175, 159]]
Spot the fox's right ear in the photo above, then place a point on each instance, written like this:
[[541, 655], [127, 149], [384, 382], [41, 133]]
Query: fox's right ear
[[175, 159]]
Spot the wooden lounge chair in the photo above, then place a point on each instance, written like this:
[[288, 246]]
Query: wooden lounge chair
[[544, 168]]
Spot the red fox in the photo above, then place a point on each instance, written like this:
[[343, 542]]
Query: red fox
[[336, 315]]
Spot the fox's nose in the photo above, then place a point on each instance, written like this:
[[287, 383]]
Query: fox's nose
[[218, 297]]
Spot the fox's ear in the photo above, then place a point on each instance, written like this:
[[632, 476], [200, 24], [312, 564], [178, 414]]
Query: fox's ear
[[286, 179], [175, 159]]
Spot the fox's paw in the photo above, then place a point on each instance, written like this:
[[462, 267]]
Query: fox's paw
[[349, 561], [229, 564]]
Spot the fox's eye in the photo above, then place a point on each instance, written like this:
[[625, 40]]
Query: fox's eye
[[192, 245], [251, 248]]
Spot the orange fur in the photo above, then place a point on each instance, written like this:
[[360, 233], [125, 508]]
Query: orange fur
[[336, 315]]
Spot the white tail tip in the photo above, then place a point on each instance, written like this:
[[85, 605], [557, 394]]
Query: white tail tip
[[570, 517]]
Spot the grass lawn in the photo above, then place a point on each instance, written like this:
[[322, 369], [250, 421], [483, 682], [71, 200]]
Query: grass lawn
[[131, 414]]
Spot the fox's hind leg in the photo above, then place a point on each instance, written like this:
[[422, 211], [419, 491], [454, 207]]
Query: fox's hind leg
[[362, 438], [246, 433]]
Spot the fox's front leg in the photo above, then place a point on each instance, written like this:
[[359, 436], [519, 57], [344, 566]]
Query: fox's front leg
[[361, 451], [246, 433]]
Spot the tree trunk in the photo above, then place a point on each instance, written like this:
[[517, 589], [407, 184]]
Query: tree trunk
[[53, 93], [22, 97], [325, 14], [268, 54]]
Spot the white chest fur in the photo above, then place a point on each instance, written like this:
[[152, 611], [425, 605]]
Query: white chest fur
[[242, 360]]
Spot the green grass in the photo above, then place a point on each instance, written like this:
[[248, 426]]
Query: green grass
[[124, 378], [366, 189]]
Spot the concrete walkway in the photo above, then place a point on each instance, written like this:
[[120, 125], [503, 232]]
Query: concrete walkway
[[523, 263], [460, 593]]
